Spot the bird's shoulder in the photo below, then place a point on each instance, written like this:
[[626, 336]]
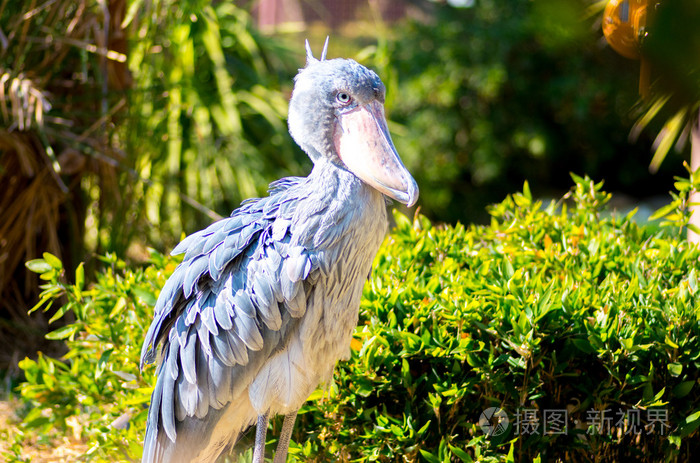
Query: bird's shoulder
[[233, 255]]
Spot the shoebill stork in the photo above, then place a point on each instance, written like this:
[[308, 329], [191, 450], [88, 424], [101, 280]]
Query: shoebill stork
[[265, 301]]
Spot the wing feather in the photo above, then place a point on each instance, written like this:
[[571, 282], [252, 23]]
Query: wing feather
[[187, 357], [226, 305], [222, 314]]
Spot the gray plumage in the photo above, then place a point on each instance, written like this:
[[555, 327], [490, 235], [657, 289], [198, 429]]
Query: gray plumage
[[265, 301]]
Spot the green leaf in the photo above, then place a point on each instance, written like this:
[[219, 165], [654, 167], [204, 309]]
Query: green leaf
[[429, 456], [675, 369], [64, 332], [461, 454], [663, 211], [511, 453], [38, 266], [583, 345], [61, 312], [44, 299], [145, 295], [683, 389], [526, 191], [102, 363], [692, 417], [118, 307], [80, 277], [53, 261]]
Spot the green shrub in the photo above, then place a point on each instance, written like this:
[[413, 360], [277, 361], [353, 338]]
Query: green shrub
[[98, 380], [549, 308]]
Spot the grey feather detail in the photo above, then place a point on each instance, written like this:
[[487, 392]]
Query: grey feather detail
[[279, 229], [297, 265], [283, 184], [233, 242], [224, 255], [213, 241], [171, 288], [202, 242], [150, 441], [273, 269], [219, 383], [195, 250], [194, 272], [202, 383], [297, 305], [223, 312], [273, 261], [207, 303], [222, 349], [214, 270], [306, 232], [323, 263], [184, 245], [276, 286], [165, 302], [187, 398], [234, 224], [269, 211], [187, 357], [171, 367], [203, 336], [182, 330], [243, 304], [191, 312], [208, 320], [263, 291], [271, 316], [246, 234], [168, 401], [313, 277], [237, 347], [247, 330], [288, 287]]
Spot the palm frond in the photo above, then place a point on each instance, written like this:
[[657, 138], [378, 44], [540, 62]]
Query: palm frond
[[22, 103], [668, 135]]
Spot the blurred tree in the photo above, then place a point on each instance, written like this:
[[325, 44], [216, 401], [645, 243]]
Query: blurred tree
[[57, 108], [504, 90], [207, 119], [121, 119], [672, 46]]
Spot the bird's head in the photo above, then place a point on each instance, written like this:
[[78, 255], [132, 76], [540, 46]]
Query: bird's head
[[337, 113]]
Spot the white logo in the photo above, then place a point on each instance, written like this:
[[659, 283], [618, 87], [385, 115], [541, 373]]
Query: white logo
[[493, 421]]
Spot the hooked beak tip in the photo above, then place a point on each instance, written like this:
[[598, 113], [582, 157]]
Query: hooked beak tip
[[411, 194], [408, 196]]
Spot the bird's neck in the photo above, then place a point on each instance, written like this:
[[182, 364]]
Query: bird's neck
[[338, 182]]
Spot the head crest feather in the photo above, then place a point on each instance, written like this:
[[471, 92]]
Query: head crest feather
[[310, 56]]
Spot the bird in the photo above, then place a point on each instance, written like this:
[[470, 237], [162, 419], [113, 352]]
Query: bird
[[265, 301]]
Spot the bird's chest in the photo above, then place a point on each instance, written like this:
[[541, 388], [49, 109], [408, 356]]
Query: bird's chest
[[333, 302]]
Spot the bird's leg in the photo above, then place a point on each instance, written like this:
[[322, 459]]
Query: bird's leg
[[285, 436], [260, 433]]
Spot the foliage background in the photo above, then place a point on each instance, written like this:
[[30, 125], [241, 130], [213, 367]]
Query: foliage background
[[557, 306], [126, 123]]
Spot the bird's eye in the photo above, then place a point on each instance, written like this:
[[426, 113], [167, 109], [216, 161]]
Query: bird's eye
[[343, 98]]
